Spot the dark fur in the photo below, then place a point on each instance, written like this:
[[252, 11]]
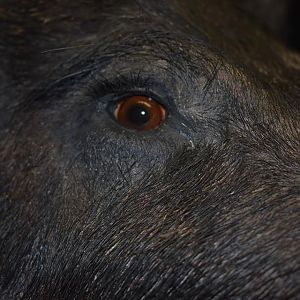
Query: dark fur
[[205, 207]]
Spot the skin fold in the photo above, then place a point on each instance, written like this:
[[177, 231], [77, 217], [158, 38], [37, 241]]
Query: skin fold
[[206, 206]]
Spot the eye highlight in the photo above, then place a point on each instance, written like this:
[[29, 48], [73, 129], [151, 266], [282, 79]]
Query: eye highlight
[[140, 113]]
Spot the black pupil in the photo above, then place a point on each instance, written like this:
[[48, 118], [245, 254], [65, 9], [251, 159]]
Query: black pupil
[[138, 115]]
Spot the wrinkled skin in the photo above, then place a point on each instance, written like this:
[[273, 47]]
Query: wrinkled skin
[[207, 206]]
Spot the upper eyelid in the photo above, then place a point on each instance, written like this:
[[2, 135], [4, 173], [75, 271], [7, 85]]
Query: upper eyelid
[[129, 85]]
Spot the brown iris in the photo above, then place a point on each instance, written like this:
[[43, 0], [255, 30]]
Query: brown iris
[[140, 113]]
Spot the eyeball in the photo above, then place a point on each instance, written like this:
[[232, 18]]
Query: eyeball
[[140, 113]]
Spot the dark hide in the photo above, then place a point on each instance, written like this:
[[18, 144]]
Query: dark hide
[[207, 206]]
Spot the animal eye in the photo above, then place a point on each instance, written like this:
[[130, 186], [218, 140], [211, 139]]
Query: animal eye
[[140, 113]]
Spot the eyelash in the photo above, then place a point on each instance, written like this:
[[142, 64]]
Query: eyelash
[[112, 91]]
